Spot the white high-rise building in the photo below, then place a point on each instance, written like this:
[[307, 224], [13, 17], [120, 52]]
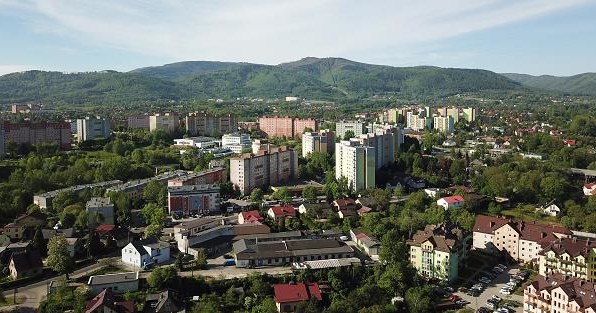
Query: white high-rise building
[[322, 141], [342, 127], [356, 163], [469, 114], [386, 140], [454, 113], [92, 128], [444, 124], [236, 142], [418, 121]]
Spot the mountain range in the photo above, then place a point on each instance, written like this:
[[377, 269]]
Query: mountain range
[[311, 78]]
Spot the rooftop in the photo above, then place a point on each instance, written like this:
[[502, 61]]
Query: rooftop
[[113, 278]]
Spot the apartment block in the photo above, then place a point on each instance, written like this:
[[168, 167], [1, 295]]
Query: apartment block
[[418, 121], [469, 114], [519, 240], [322, 141], [385, 139], [272, 166], [35, 133], [2, 153], [341, 127], [439, 251], [205, 124], [25, 107], [559, 294], [454, 113], [100, 206], [288, 127], [168, 122], [236, 142], [138, 121], [356, 163], [92, 128], [193, 199], [444, 124], [575, 257]]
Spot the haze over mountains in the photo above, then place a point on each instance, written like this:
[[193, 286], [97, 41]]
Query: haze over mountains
[[312, 78]]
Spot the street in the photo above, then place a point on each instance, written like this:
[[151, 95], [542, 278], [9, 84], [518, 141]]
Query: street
[[492, 289]]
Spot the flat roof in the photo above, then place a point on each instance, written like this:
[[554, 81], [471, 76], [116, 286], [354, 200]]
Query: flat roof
[[330, 263], [113, 278]]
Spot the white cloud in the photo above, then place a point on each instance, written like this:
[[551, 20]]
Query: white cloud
[[272, 31], [11, 68]]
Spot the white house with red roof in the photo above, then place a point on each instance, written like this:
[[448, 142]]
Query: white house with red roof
[[451, 202], [590, 189], [281, 212], [250, 217], [288, 296]]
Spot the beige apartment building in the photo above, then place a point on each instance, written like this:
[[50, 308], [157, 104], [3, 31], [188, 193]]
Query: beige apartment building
[[559, 294], [521, 241], [574, 257], [168, 122], [268, 167], [205, 124]]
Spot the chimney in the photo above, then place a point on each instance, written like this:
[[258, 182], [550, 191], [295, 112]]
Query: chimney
[[542, 234], [574, 239], [492, 224]]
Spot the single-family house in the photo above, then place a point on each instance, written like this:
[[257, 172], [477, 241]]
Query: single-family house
[[111, 236], [105, 302], [288, 296], [451, 202], [281, 212], [590, 189], [13, 231], [316, 210], [25, 263], [550, 208], [249, 217], [366, 206], [164, 302], [146, 253], [118, 283]]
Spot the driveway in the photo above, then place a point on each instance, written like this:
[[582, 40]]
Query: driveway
[[493, 289]]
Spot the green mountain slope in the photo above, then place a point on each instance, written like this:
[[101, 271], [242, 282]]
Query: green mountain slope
[[95, 87], [313, 78], [581, 84]]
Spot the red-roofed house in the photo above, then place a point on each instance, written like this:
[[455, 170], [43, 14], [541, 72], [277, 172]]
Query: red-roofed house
[[249, 217], [522, 241], [451, 202], [590, 189], [569, 142], [111, 235], [287, 296], [105, 302], [281, 212]]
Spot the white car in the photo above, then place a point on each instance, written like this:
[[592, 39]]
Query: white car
[[505, 291], [344, 238]]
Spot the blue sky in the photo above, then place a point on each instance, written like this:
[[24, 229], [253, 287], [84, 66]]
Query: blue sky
[[525, 36]]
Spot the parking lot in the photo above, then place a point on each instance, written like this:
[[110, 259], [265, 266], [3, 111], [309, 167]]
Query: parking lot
[[493, 289]]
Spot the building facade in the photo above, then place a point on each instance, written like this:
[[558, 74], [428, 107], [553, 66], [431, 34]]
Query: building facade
[[519, 240], [168, 122], [193, 199], [215, 175], [205, 124], [275, 126], [469, 114], [355, 162], [385, 140], [439, 251], [138, 121], [357, 127], [559, 294], [36, 133], [322, 141], [236, 142], [444, 124], [92, 128], [100, 206], [574, 257], [265, 168]]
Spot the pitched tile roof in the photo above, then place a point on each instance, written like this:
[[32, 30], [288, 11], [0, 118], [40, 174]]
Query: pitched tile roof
[[251, 216], [572, 246], [26, 260], [285, 293], [530, 231], [453, 199], [106, 298], [443, 237], [285, 210]]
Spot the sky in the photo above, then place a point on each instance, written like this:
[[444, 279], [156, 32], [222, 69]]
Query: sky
[[556, 37]]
